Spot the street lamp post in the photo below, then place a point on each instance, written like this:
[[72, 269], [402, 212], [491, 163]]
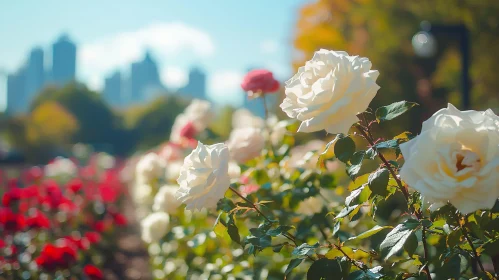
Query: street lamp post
[[425, 45]]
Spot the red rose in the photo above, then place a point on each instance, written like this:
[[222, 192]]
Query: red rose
[[60, 256], [13, 195], [38, 220], [93, 272], [260, 81], [93, 237], [188, 131], [11, 221], [75, 185], [120, 219]]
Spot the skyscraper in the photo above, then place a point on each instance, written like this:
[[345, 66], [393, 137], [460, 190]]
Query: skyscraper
[[34, 74], [113, 89], [16, 92], [63, 61], [144, 79], [196, 87]]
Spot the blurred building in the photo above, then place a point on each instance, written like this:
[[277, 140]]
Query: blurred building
[[113, 93], [144, 80], [196, 86], [35, 74], [16, 92], [63, 61]]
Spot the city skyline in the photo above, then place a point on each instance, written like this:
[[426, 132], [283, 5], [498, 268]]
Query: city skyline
[[142, 84], [177, 35]]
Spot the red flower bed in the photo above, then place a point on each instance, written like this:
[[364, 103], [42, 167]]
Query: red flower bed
[[58, 224]]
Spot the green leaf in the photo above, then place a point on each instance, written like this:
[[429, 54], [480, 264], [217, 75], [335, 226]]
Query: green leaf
[[326, 154], [454, 238], [354, 195], [411, 244], [292, 264], [233, 230], [370, 274], [225, 205], [371, 153], [389, 144], [451, 267], [344, 148], [345, 211], [395, 240], [355, 164], [278, 248], [378, 181], [411, 223], [279, 230], [305, 250], [370, 232], [325, 269], [393, 110]]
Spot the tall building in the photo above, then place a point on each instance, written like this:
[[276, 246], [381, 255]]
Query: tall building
[[196, 86], [144, 80], [63, 61], [16, 92], [113, 89], [35, 74]]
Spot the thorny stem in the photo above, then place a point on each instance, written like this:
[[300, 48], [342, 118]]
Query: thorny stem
[[251, 203], [366, 133], [287, 234], [468, 238]]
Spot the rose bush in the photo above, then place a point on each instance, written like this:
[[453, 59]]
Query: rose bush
[[407, 207]]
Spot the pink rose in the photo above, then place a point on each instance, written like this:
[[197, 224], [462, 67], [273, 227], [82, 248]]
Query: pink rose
[[260, 81]]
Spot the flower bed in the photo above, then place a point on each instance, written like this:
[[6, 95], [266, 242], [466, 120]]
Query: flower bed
[[60, 220]]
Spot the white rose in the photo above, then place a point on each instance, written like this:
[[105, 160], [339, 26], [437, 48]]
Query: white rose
[[310, 206], [142, 193], [155, 226], [179, 123], [455, 159], [245, 143], [199, 113], [150, 167], [244, 118], [204, 177], [173, 170], [165, 200], [61, 167], [234, 170], [329, 91]]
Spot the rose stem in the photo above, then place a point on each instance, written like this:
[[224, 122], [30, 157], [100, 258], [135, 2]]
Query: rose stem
[[466, 235], [368, 136]]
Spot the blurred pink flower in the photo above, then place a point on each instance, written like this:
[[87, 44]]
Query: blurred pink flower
[[260, 81]]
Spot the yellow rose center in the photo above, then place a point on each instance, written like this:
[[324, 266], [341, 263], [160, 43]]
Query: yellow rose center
[[467, 159]]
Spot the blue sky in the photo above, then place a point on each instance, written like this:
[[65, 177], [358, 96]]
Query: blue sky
[[225, 37]]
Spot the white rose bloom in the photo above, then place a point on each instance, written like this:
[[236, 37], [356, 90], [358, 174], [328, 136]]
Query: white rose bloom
[[173, 170], [204, 177], [155, 226], [329, 91], [165, 200], [234, 170], [150, 167], [455, 159], [142, 193], [244, 118], [245, 143], [310, 206], [278, 132], [180, 121], [199, 113], [61, 167]]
